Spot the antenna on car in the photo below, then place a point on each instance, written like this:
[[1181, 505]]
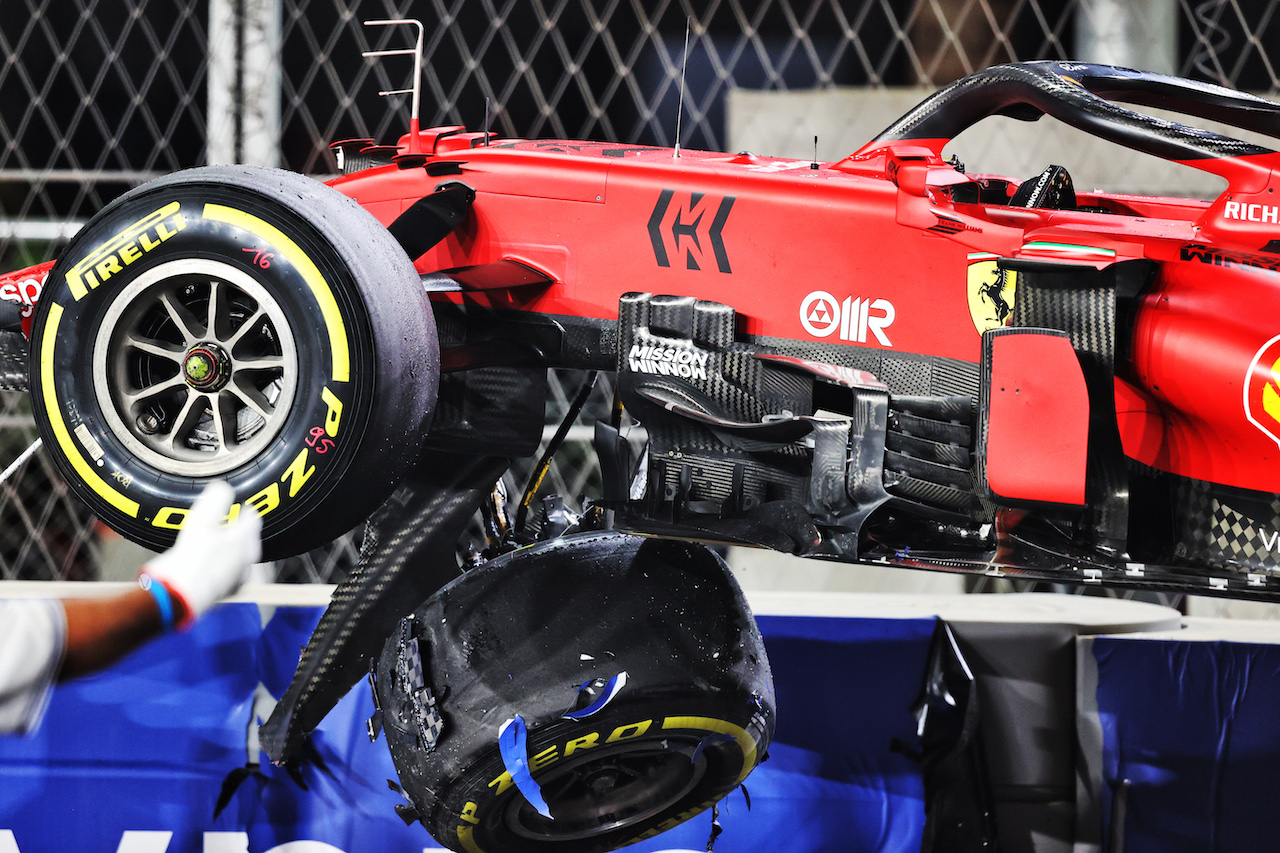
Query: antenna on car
[[684, 65], [416, 53], [486, 122], [813, 164]]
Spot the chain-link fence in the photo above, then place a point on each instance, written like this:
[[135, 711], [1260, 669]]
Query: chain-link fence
[[98, 96]]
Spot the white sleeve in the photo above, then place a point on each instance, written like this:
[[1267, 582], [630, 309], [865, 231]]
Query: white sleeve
[[32, 639]]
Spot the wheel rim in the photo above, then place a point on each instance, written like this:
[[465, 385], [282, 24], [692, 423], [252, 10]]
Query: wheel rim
[[195, 367], [610, 791]]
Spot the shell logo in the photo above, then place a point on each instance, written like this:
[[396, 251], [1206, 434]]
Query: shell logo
[[1262, 390]]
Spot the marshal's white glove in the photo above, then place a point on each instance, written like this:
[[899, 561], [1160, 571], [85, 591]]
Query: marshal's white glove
[[211, 559]]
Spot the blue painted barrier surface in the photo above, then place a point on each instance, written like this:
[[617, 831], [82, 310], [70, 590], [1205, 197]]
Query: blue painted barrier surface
[[1193, 727], [143, 749]]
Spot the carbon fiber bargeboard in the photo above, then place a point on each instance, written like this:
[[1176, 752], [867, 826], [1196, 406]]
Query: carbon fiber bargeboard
[[787, 449], [683, 350], [14, 374], [415, 534], [1084, 302]]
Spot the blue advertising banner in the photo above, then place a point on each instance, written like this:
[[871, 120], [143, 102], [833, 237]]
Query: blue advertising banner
[[133, 759], [1191, 726]]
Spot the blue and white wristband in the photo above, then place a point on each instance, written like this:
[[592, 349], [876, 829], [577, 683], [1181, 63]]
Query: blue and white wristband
[[164, 601]]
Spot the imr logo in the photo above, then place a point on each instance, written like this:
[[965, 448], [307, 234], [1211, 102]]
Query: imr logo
[[1252, 212], [1262, 390], [822, 315]]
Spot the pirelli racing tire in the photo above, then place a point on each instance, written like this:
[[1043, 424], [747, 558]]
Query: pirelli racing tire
[[239, 323], [625, 675]]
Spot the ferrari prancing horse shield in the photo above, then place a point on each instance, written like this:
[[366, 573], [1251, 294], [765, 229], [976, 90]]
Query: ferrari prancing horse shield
[[991, 292]]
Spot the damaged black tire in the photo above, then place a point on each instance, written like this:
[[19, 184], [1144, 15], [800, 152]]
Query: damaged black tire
[[519, 638]]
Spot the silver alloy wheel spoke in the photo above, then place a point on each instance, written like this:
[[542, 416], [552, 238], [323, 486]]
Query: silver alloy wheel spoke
[[212, 326], [172, 352], [187, 417], [224, 422], [266, 362], [133, 398], [182, 318], [252, 398], [247, 326]]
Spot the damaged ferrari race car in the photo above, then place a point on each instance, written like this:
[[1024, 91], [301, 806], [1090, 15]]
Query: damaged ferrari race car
[[883, 359]]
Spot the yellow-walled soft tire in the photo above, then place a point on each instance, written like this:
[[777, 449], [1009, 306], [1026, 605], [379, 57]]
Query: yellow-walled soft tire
[[240, 323]]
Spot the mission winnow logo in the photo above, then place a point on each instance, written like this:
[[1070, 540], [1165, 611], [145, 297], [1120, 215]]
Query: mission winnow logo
[[667, 361]]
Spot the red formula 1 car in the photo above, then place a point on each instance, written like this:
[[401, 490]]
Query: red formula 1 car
[[880, 359]]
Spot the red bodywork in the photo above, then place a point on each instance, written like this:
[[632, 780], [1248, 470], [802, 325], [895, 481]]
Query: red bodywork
[[22, 288], [867, 228]]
